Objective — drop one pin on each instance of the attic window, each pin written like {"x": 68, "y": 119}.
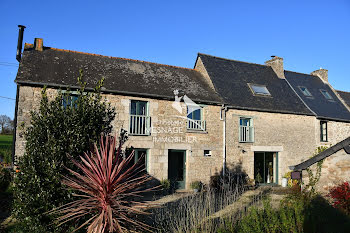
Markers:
{"x": 305, "y": 91}
{"x": 326, "y": 94}
{"x": 259, "y": 89}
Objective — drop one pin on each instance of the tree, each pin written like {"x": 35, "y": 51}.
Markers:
{"x": 5, "y": 122}
{"x": 56, "y": 131}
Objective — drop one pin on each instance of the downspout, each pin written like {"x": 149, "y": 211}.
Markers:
{"x": 223, "y": 118}
{"x": 15, "y": 128}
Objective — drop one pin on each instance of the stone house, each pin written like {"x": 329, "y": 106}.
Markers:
{"x": 191, "y": 123}
{"x": 335, "y": 168}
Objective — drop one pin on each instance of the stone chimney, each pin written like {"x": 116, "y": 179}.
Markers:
{"x": 322, "y": 74}
{"x": 38, "y": 44}
{"x": 276, "y": 64}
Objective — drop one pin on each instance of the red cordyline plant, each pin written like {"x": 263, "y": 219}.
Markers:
{"x": 341, "y": 197}
{"x": 105, "y": 185}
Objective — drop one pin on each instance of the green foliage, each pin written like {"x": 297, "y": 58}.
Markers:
{"x": 165, "y": 184}
{"x": 56, "y": 135}
{"x": 5, "y": 178}
{"x": 6, "y": 148}
{"x": 196, "y": 185}
{"x": 258, "y": 178}
{"x": 285, "y": 219}
{"x": 314, "y": 178}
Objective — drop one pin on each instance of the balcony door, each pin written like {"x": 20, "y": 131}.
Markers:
{"x": 140, "y": 121}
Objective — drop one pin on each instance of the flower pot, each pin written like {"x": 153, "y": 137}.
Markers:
{"x": 284, "y": 182}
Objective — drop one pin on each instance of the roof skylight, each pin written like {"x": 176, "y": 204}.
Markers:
{"x": 259, "y": 89}
{"x": 326, "y": 94}
{"x": 305, "y": 91}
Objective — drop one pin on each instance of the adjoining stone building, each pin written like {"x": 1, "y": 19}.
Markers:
{"x": 191, "y": 123}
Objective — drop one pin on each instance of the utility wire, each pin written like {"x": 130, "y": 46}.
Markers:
{"x": 7, "y": 98}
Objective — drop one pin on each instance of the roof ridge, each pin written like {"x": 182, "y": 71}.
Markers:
{"x": 121, "y": 58}
{"x": 301, "y": 73}
{"x": 343, "y": 91}
{"x": 227, "y": 59}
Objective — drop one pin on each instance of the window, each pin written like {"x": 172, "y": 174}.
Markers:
{"x": 195, "y": 118}
{"x": 305, "y": 91}
{"x": 246, "y": 130}
{"x": 69, "y": 100}
{"x": 259, "y": 89}
{"x": 140, "y": 122}
{"x": 140, "y": 156}
{"x": 326, "y": 94}
{"x": 323, "y": 131}
{"x": 207, "y": 153}
{"x": 139, "y": 108}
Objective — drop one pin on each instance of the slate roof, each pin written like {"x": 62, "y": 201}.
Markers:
{"x": 60, "y": 68}
{"x": 231, "y": 78}
{"x": 345, "y": 96}
{"x": 345, "y": 144}
{"x": 327, "y": 109}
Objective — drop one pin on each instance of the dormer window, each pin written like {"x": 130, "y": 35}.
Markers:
{"x": 259, "y": 89}
{"x": 305, "y": 91}
{"x": 326, "y": 94}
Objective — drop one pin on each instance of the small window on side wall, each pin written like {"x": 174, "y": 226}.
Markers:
{"x": 323, "y": 131}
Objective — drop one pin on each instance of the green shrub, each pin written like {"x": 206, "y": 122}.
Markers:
{"x": 165, "y": 184}
{"x": 196, "y": 185}
{"x": 5, "y": 178}
{"x": 54, "y": 132}
{"x": 288, "y": 218}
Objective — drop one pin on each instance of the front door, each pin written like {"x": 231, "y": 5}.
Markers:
{"x": 177, "y": 168}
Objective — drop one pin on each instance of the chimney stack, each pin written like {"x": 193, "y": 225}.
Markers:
{"x": 38, "y": 44}
{"x": 20, "y": 42}
{"x": 322, "y": 74}
{"x": 276, "y": 64}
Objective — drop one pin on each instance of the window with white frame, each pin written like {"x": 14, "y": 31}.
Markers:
{"x": 140, "y": 121}
{"x": 195, "y": 119}
{"x": 323, "y": 131}
{"x": 246, "y": 129}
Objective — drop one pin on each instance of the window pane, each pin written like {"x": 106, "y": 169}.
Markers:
{"x": 138, "y": 107}
{"x": 326, "y": 94}
{"x": 245, "y": 122}
{"x": 194, "y": 112}
{"x": 262, "y": 90}
{"x": 305, "y": 91}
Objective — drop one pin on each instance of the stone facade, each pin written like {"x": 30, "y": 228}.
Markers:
{"x": 335, "y": 170}
{"x": 293, "y": 138}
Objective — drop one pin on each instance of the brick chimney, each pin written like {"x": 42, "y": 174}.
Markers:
{"x": 322, "y": 74}
{"x": 276, "y": 64}
{"x": 38, "y": 44}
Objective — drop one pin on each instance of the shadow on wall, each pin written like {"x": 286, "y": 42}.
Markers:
{"x": 234, "y": 175}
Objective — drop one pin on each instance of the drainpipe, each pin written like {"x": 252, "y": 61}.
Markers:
{"x": 223, "y": 118}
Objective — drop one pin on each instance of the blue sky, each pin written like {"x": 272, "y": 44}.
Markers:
{"x": 307, "y": 34}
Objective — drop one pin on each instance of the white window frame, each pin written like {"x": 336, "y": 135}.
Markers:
{"x": 246, "y": 133}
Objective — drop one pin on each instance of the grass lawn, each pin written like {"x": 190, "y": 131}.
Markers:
{"x": 5, "y": 147}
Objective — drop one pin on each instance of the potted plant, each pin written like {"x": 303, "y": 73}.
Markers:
{"x": 196, "y": 186}
{"x": 285, "y": 179}
{"x": 258, "y": 178}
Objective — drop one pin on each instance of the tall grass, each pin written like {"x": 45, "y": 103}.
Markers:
{"x": 196, "y": 213}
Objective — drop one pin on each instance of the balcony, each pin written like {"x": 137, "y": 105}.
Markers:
{"x": 140, "y": 125}
{"x": 196, "y": 125}
{"x": 246, "y": 133}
